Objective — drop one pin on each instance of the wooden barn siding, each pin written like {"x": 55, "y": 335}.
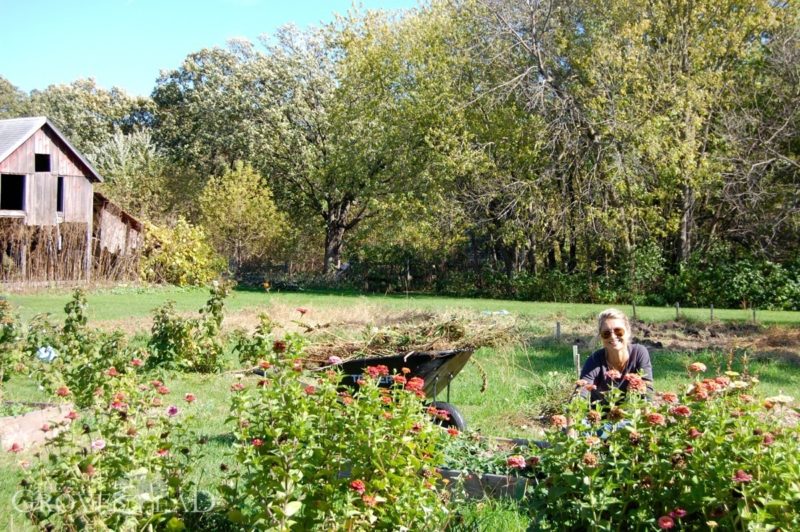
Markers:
{"x": 41, "y": 188}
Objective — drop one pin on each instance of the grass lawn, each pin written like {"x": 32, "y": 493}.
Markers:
{"x": 524, "y": 381}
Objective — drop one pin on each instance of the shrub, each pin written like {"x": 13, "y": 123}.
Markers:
{"x": 80, "y": 357}
{"x": 310, "y": 455}
{"x": 191, "y": 344}
{"x": 124, "y": 463}
{"x": 713, "y": 456}
{"x": 11, "y": 344}
{"x": 180, "y": 255}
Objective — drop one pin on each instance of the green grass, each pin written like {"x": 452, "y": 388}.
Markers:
{"x": 129, "y": 302}
{"x": 524, "y": 380}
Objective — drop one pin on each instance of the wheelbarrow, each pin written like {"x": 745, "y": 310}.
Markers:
{"x": 436, "y": 368}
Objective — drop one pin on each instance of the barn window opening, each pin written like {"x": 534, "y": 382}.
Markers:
{"x": 12, "y": 192}
{"x": 42, "y": 162}
{"x": 60, "y": 195}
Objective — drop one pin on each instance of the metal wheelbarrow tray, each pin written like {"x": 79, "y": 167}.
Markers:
{"x": 436, "y": 368}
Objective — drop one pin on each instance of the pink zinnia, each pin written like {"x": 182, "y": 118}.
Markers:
{"x": 613, "y": 374}
{"x": 415, "y": 384}
{"x": 333, "y": 360}
{"x": 694, "y": 433}
{"x": 558, "y": 421}
{"x": 162, "y": 452}
{"x": 99, "y": 445}
{"x": 136, "y": 362}
{"x": 237, "y": 387}
{"x": 697, "y": 367}
{"x": 516, "y": 462}
{"x": 681, "y": 411}
{"x": 72, "y": 415}
{"x": 741, "y": 476}
{"x": 163, "y": 390}
{"x": 257, "y": 442}
{"x": 665, "y": 522}
{"x": 112, "y": 372}
{"x": 15, "y": 448}
{"x": 669, "y": 397}
{"x": 63, "y": 391}
{"x": 358, "y": 486}
{"x": 678, "y": 513}
{"x": 769, "y": 439}
{"x": 310, "y": 390}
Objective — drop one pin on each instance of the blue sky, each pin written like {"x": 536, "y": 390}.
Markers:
{"x": 126, "y": 43}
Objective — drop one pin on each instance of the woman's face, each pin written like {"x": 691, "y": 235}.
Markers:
{"x": 613, "y": 333}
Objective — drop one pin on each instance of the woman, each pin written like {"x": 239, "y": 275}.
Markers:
{"x": 619, "y": 364}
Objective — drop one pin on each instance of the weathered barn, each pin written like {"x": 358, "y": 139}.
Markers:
{"x": 47, "y": 206}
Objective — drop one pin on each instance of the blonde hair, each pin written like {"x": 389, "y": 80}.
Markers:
{"x": 614, "y": 314}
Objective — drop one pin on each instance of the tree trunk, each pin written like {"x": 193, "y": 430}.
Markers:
{"x": 334, "y": 242}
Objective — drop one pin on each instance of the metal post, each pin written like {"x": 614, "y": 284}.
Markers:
{"x": 634, "y": 311}
{"x": 677, "y": 310}
{"x": 576, "y": 358}
{"x": 712, "y": 311}
{"x": 558, "y": 330}
{"x": 754, "y": 314}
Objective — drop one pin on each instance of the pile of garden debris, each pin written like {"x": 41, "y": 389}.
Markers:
{"x": 437, "y": 333}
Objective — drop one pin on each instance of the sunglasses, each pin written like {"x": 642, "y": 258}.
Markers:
{"x": 605, "y": 335}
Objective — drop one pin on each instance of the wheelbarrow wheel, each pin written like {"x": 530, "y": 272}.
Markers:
{"x": 455, "y": 419}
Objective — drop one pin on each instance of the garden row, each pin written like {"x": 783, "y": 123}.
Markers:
{"x": 303, "y": 453}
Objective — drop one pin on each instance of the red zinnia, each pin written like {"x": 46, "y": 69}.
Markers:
{"x": 112, "y": 372}
{"x": 72, "y": 415}
{"x": 358, "y": 486}
{"x": 452, "y": 432}
{"x": 694, "y": 433}
{"x": 302, "y": 310}
{"x": 136, "y": 362}
{"x": 163, "y": 390}
{"x": 15, "y": 448}
{"x": 257, "y": 442}
{"x": 310, "y": 390}
{"x": 399, "y": 379}
{"x": 63, "y": 391}
{"x": 415, "y": 384}
{"x": 190, "y": 398}
{"x": 665, "y": 522}
{"x": 669, "y": 397}
{"x": 678, "y": 513}
{"x": 264, "y": 364}
{"x": 656, "y": 419}
{"x": 279, "y": 346}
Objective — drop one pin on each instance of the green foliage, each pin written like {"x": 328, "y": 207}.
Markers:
{"x": 311, "y": 456}
{"x": 11, "y": 344}
{"x": 125, "y": 462}
{"x": 190, "y": 344}
{"x": 83, "y": 357}
{"x": 180, "y": 255}
{"x": 241, "y": 219}
{"x": 712, "y": 456}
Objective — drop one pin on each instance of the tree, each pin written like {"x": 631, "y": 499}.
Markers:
{"x": 13, "y": 102}
{"x": 241, "y": 219}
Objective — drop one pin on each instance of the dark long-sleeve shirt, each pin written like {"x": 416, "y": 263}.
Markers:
{"x": 596, "y": 367}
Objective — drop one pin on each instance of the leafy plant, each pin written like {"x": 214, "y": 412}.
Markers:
{"x": 180, "y": 255}
{"x": 11, "y": 344}
{"x": 192, "y": 344}
{"x": 712, "y": 456}
{"x": 311, "y": 455}
{"x": 123, "y": 463}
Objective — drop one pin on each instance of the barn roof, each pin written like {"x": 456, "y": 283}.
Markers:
{"x": 15, "y": 131}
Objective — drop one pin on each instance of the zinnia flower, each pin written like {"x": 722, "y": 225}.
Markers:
{"x": 669, "y": 397}
{"x": 237, "y": 387}
{"x": 264, "y": 364}
{"x": 678, "y": 513}
{"x": 697, "y": 367}
{"x": 741, "y": 476}
{"x": 613, "y": 374}
{"x": 592, "y": 440}
{"x": 136, "y": 362}
{"x": 310, "y": 390}
{"x": 333, "y": 359}
{"x": 302, "y": 310}
{"x": 656, "y": 419}
{"x": 594, "y": 417}
{"x": 172, "y": 411}
{"x": 15, "y": 448}
{"x": 590, "y": 459}
{"x": 163, "y": 390}
{"x": 369, "y": 500}
{"x": 516, "y": 462}
{"x": 162, "y": 452}
{"x": 98, "y": 445}
{"x": 190, "y": 398}
{"x": 415, "y": 384}
{"x": 694, "y": 433}
{"x": 72, "y": 415}
{"x": 63, "y": 391}
{"x": 665, "y": 522}
{"x": 533, "y": 461}
{"x": 558, "y": 421}
{"x": 112, "y": 372}
{"x": 769, "y": 439}
{"x": 680, "y": 411}
{"x": 358, "y": 486}
{"x": 279, "y": 346}
{"x": 257, "y": 442}
{"x": 452, "y": 432}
